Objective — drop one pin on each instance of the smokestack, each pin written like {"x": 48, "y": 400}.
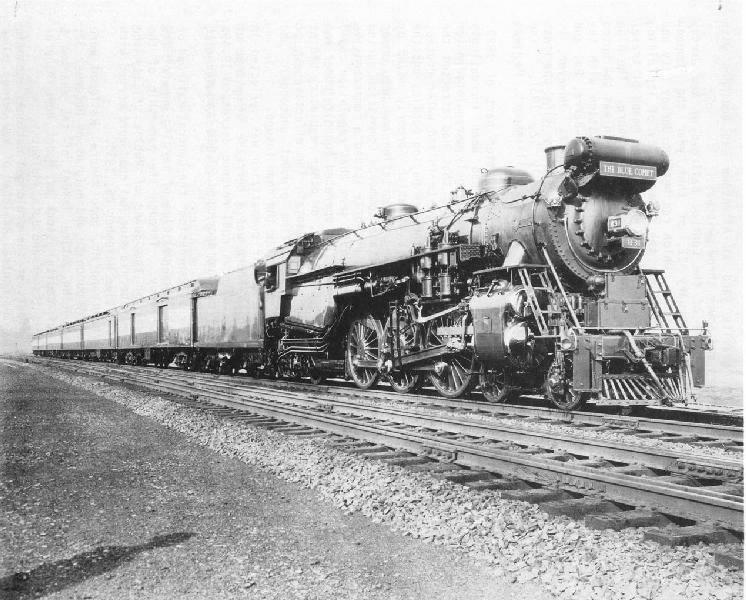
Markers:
{"x": 555, "y": 156}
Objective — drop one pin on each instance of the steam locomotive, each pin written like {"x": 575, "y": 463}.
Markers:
{"x": 521, "y": 287}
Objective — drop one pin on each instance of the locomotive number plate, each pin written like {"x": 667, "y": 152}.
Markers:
{"x": 633, "y": 243}
{"x": 614, "y": 169}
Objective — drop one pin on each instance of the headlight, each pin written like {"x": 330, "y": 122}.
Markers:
{"x": 634, "y": 222}
{"x": 515, "y": 339}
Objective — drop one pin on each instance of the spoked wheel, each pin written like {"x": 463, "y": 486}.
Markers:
{"x": 456, "y": 377}
{"x": 559, "y": 391}
{"x": 567, "y": 400}
{"x": 494, "y": 385}
{"x": 404, "y": 331}
{"x": 364, "y": 344}
{"x": 454, "y": 374}
{"x": 405, "y": 381}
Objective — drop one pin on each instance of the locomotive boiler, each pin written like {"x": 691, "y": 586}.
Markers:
{"x": 522, "y": 286}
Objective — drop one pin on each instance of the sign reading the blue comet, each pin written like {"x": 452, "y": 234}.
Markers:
{"x": 615, "y": 169}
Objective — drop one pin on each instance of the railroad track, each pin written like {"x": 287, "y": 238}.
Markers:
{"x": 614, "y": 484}
{"x": 725, "y": 421}
{"x": 699, "y": 427}
{"x": 697, "y": 433}
{"x": 535, "y": 406}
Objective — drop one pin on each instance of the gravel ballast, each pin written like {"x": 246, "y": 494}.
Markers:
{"x": 517, "y": 539}
{"x": 98, "y": 502}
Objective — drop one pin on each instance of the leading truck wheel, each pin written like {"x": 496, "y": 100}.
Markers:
{"x": 558, "y": 388}
{"x": 494, "y": 385}
{"x": 563, "y": 396}
{"x": 364, "y": 344}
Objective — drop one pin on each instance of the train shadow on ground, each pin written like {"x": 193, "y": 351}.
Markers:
{"x": 48, "y": 578}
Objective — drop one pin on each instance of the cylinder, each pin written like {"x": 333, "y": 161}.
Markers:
{"x": 555, "y": 156}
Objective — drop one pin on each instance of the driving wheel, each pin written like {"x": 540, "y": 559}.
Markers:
{"x": 454, "y": 373}
{"x": 364, "y": 344}
{"x": 403, "y": 335}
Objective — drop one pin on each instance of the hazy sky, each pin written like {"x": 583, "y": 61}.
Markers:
{"x": 145, "y": 143}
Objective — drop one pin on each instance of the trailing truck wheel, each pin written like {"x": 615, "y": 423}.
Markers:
{"x": 494, "y": 385}
{"x": 364, "y": 340}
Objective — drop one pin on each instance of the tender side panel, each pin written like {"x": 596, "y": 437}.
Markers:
{"x": 232, "y": 317}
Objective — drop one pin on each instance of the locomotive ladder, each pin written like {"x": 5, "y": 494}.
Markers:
{"x": 536, "y": 279}
{"x": 528, "y": 280}
{"x": 657, "y": 288}
{"x": 662, "y": 303}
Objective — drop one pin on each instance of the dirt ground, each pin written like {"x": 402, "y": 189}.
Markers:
{"x": 96, "y": 502}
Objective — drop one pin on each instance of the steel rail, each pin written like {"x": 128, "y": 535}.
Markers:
{"x": 642, "y": 424}
{"x": 674, "y": 462}
{"x": 648, "y": 424}
{"x": 714, "y": 432}
{"x": 710, "y": 431}
{"x": 658, "y": 458}
{"x": 699, "y": 504}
